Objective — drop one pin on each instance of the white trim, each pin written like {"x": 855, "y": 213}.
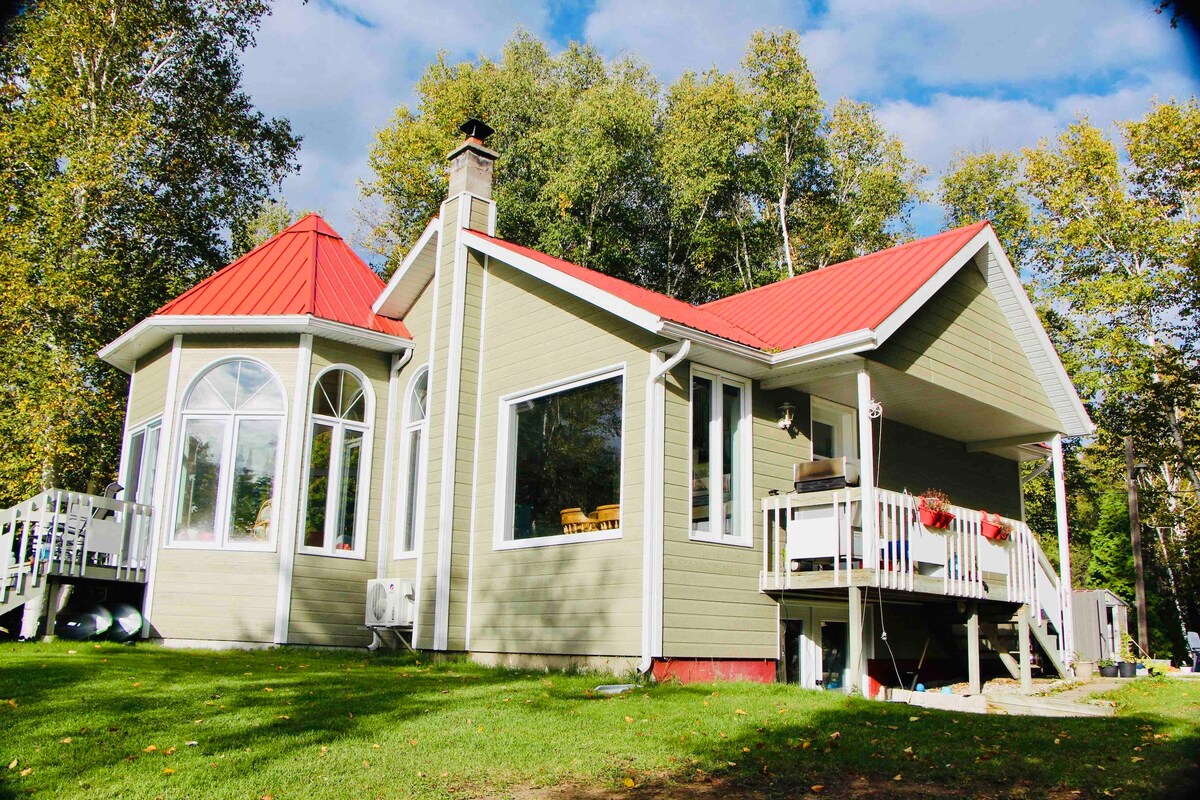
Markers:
{"x": 382, "y": 549}
{"x": 654, "y": 447}
{"x": 383, "y": 304}
{"x": 224, "y": 509}
{"x": 162, "y": 492}
{"x": 458, "y": 301}
{"x": 1067, "y": 645}
{"x": 716, "y": 511}
{"x": 399, "y": 551}
{"x": 362, "y": 496}
{"x": 866, "y": 478}
{"x": 290, "y": 505}
{"x": 581, "y": 289}
{"x": 478, "y": 424}
{"x": 506, "y": 444}
{"x": 124, "y": 351}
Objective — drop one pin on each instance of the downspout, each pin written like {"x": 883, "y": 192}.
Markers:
{"x": 399, "y": 361}
{"x": 652, "y": 508}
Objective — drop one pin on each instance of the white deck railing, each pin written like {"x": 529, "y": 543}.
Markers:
{"x": 73, "y": 534}
{"x": 825, "y": 529}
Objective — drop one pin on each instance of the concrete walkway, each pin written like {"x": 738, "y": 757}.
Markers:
{"x": 1080, "y": 693}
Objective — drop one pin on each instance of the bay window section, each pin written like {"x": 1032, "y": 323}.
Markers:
{"x": 335, "y": 505}
{"x": 720, "y": 466}
{"x": 416, "y": 424}
{"x": 232, "y": 421}
{"x": 564, "y": 462}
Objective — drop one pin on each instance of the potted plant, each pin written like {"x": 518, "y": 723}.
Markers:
{"x": 933, "y": 507}
{"x": 1127, "y": 666}
{"x": 995, "y": 527}
{"x": 1084, "y": 669}
{"x": 1108, "y": 668}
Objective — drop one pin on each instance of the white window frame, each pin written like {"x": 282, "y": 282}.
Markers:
{"x": 144, "y": 428}
{"x": 224, "y": 479}
{"x": 407, "y": 430}
{"x": 362, "y": 499}
{"x": 842, "y": 419}
{"x": 506, "y": 462}
{"x": 716, "y": 454}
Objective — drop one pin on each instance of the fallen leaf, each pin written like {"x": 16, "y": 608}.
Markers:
{"x": 817, "y": 788}
{"x": 66, "y": 740}
{"x": 1136, "y": 759}
{"x": 376, "y": 746}
{"x": 629, "y": 720}
{"x": 137, "y": 684}
{"x": 169, "y": 751}
{"x": 897, "y": 777}
{"x": 70, "y": 652}
{"x": 12, "y": 764}
{"x": 268, "y": 689}
{"x": 366, "y": 763}
{"x": 914, "y": 719}
{"x": 835, "y": 735}
{"x": 168, "y": 771}
{"x": 26, "y": 772}
{"x": 150, "y": 749}
{"x": 908, "y": 751}
{"x": 629, "y": 783}
{"x": 740, "y": 712}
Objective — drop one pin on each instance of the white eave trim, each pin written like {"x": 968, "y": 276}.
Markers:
{"x": 581, "y": 289}
{"x": 391, "y": 301}
{"x": 124, "y": 351}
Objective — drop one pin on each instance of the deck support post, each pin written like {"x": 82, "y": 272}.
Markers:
{"x": 1023, "y": 643}
{"x": 1067, "y": 634}
{"x": 31, "y": 614}
{"x": 866, "y": 478}
{"x": 854, "y": 642}
{"x": 976, "y": 686}
{"x": 57, "y": 595}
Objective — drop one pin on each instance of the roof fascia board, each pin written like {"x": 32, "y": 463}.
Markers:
{"x": 843, "y": 345}
{"x": 124, "y": 351}
{"x": 560, "y": 280}
{"x": 931, "y": 287}
{"x": 1009, "y": 441}
{"x": 384, "y": 304}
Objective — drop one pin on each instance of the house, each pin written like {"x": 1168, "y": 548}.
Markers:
{"x": 574, "y": 470}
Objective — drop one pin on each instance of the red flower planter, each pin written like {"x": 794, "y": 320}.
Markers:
{"x": 991, "y": 528}
{"x": 933, "y": 519}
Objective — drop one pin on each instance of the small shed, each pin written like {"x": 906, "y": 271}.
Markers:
{"x": 1100, "y": 620}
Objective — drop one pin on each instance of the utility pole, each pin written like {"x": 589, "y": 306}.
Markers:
{"x": 1135, "y": 536}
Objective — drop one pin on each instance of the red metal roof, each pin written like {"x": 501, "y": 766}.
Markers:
{"x": 307, "y": 268}
{"x": 846, "y": 297}
{"x": 658, "y": 304}
{"x": 854, "y": 295}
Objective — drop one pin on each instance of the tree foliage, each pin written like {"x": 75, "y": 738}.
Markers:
{"x": 127, "y": 149}
{"x": 714, "y": 184}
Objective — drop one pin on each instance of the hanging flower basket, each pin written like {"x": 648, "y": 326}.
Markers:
{"x": 933, "y": 507}
{"x": 994, "y": 527}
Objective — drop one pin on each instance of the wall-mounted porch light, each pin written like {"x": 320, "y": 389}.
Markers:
{"x": 786, "y": 415}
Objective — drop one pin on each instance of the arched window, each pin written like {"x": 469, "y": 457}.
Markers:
{"x": 416, "y": 427}
{"x": 231, "y": 425}
{"x": 338, "y": 465}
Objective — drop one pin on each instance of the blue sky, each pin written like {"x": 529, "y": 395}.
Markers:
{"x": 944, "y": 75}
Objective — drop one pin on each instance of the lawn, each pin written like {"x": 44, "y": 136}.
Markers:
{"x": 101, "y": 721}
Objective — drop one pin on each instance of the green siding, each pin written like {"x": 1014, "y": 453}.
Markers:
{"x": 329, "y": 593}
{"x": 215, "y": 594}
{"x": 960, "y": 340}
{"x": 915, "y": 460}
{"x": 577, "y": 598}
{"x": 712, "y": 607}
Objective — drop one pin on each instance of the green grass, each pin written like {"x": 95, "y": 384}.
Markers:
{"x": 309, "y": 724}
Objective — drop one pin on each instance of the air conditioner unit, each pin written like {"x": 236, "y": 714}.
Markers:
{"x": 390, "y": 602}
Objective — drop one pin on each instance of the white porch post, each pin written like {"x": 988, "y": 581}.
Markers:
{"x": 1064, "y": 549}
{"x": 866, "y": 454}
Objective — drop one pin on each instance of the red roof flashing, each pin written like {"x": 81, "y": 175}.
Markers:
{"x": 307, "y": 268}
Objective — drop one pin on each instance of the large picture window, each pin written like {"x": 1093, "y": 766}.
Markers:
{"x": 564, "y": 461}
{"x": 231, "y": 425}
{"x": 338, "y": 467}
{"x": 720, "y": 458}
{"x": 416, "y": 434}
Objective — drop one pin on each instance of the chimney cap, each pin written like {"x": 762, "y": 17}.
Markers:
{"x": 476, "y": 129}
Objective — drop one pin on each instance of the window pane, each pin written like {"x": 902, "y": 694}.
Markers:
{"x": 823, "y": 438}
{"x": 701, "y": 417}
{"x": 354, "y": 403}
{"x": 145, "y": 491}
{"x": 254, "y": 389}
{"x": 325, "y": 395}
{"x": 347, "y": 507}
{"x": 417, "y": 408}
{"x": 568, "y": 461}
{"x": 413, "y": 491}
{"x": 196, "y": 511}
{"x": 731, "y": 467}
{"x": 133, "y": 469}
{"x": 318, "y": 485}
{"x": 256, "y": 448}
